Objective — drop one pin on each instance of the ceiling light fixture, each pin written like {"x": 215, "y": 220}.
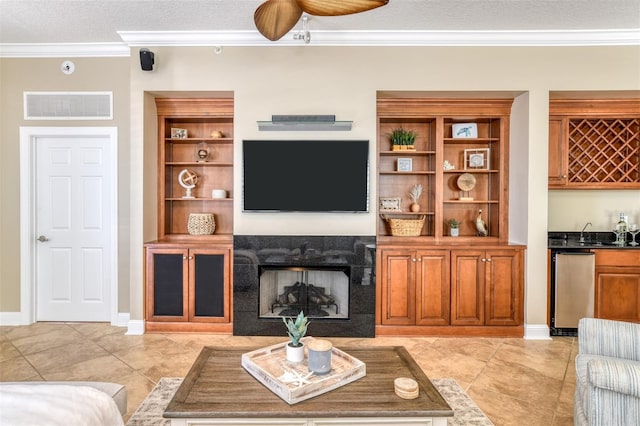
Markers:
{"x": 304, "y": 34}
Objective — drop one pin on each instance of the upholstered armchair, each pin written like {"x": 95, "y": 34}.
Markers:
{"x": 607, "y": 373}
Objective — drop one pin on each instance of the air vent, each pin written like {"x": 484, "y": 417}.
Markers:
{"x": 68, "y": 105}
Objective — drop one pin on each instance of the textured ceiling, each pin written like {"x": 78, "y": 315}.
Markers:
{"x": 98, "y": 21}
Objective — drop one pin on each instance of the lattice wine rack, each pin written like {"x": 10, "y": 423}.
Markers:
{"x": 604, "y": 150}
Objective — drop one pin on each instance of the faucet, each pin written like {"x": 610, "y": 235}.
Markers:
{"x": 582, "y": 232}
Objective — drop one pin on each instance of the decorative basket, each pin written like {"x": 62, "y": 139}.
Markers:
{"x": 201, "y": 224}
{"x": 405, "y": 227}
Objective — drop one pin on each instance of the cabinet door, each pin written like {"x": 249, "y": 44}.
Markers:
{"x": 618, "y": 293}
{"x": 432, "y": 287}
{"x": 558, "y": 160}
{"x": 209, "y": 285}
{"x": 167, "y": 277}
{"x": 398, "y": 287}
{"x": 467, "y": 287}
{"x": 502, "y": 287}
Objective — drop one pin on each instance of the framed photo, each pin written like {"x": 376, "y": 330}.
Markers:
{"x": 390, "y": 204}
{"x": 405, "y": 164}
{"x": 178, "y": 133}
{"x": 476, "y": 159}
{"x": 464, "y": 130}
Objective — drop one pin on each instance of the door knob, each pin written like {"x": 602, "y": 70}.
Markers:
{"x": 42, "y": 238}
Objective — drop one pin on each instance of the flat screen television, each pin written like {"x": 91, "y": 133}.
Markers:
{"x": 305, "y": 175}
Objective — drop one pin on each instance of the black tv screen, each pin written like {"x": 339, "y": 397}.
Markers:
{"x": 306, "y": 175}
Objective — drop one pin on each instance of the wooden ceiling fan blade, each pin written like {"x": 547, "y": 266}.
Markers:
{"x": 275, "y": 18}
{"x": 338, "y": 7}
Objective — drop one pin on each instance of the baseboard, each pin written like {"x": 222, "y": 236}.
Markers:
{"x": 12, "y": 318}
{"x": 122, "y": 320}
{"x": 135, "y": 328}
{"x": 536, "y": 332}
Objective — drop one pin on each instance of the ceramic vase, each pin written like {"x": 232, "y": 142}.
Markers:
{"x": 454, "y": 232}
{"x": 295, "y": 353}
{"x": 415, "y": 207}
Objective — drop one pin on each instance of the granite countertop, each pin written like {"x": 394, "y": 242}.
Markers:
{"x": 599, "y": 240}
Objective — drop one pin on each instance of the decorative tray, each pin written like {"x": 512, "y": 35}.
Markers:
{"x": 292, "y": 381}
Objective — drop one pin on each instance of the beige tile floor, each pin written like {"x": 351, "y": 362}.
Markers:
{"x": 514, "y": 381}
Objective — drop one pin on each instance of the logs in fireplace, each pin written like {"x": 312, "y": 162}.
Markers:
{"x": 304, "y": 297}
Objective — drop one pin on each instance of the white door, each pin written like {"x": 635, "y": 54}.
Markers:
{"x": 73, "y": 227}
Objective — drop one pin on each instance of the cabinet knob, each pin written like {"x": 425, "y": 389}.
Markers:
{"x": 488, "y": 260}
{"x": 564, "y": 176}
{"x": 190, "y": 257}
{"x": 414, "y": 259}
{"x": 184, "y": 257}
{"x": 483, "y": 259}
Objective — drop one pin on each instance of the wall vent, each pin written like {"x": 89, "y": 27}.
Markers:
{"x": 68, "y": 105}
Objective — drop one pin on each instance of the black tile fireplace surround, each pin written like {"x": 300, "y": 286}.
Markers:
{"x": 354, "y": 255}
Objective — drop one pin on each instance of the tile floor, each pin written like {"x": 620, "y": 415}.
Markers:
{"x": 514, "y": 381}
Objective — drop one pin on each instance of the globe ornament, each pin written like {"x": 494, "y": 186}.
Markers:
{"x": 188, "y": 179}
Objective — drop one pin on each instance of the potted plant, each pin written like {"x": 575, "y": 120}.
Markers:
{"x": 402, "y": 139}
{"x": 296, "y": 329}
{"x": 454, "y": 227}
{"x": 415, "y": 194}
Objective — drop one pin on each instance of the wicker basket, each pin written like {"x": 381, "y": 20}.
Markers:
{"x": 405, "y": 227}
{"x": 201, "y": 224}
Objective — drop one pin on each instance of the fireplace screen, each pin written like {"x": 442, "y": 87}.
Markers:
{"x": 320, "y": 293}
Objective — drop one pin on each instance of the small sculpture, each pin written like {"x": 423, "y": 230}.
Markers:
{"x": 188, "y": 179}
{"x": 481, "y": 226}
{"x": 447, "y": 165}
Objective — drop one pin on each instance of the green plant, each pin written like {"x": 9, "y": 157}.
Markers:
{"x": 402, "y": 137}
{"x": 296, "y": 329}
{"x": 453, "y": 223}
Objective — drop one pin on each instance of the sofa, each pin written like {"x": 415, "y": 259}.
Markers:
{"x": 607, "y": 366}
{"x": 62, "y": 403}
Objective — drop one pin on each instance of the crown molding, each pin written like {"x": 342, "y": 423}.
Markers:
{"x": 63, "y": 50}
{"x": 622, "y": 37}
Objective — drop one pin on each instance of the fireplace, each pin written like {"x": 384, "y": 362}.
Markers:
{"x": 330, "y": 279}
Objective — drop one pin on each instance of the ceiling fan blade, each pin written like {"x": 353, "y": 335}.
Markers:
{"x": 275, "y": 18}
{"x": 338, "y": 7}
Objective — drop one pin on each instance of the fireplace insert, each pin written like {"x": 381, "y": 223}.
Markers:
{"x": 330, "y": 279}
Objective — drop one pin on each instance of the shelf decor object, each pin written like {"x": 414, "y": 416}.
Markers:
{"x": 476, "y": 159}
{"x": 465, "y": 130}
{"x": 405, "y": 165}
{"x": 292, "y": 381}
{"x": 405, "y": 227}
{"x": 188, "y": 180}
{"x": 201, "y": 224}
{"x": 466, "y": 182}
{"x": 177, "y": 133}
{"x": 390, "y": 204}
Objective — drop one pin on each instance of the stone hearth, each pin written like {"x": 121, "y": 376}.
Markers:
{"x": 341, "y": 266}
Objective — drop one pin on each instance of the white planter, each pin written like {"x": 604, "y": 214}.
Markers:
{"x": 454, "y": 232}
{"x": 295, "y": 353}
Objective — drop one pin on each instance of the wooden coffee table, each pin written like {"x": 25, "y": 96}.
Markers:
{"x": 218, "y": 391}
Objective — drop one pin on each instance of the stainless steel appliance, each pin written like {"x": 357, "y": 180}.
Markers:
{"x": 573, "y": 288}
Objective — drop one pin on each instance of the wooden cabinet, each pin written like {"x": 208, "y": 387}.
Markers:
{"x": 472, "y": 137}
{"x": 594, "y": 144}
{"x": 188, "y": 274}
{"x": 415, "y": 287}
{"x": 187, "y": 285}
{"x": 430, "y": 288}
{"x": 558, "y": 154}
{"x": 617, "y": 293}
{"x": 486, "y": 287}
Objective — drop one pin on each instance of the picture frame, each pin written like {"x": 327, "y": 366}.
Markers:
{"x": 476, "y": 158}
{"x": 404, "y": 165}
{"x": 390, "y": 204}
{"x": 464, "y": 130}
{"x": 177, "y": 133}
